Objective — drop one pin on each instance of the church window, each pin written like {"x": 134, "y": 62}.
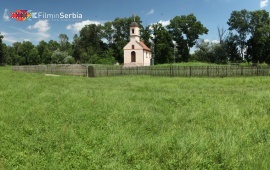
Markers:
{"x": 132, "y": 46}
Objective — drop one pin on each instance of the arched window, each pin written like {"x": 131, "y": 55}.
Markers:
{"x": 132, "y": 31}
{"x": 133, "y": 56}
{"x": 132, "y": 46}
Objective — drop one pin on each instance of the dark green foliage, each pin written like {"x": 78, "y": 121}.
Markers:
{"x": 186, "y": 31}
{"x": 3, "y": 57}
{"x": 162, "y": 44}
{"x": 253, "y": 33}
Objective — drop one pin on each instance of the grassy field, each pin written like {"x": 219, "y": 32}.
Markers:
{"x": 133, "y": 122}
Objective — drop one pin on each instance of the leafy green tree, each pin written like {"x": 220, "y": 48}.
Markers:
{"x": 162, "y": 44}
{"x": 46, "y": 56}
{"x": 108, "y": 33}
{"x": 239, "y": 22}
{"x": 90, "y": 42}
{"x": 258, "y": 43}
{"x": 15, "y": 58}
{"x": 76, "y": 48}
{"x": 231, "y": 43}
{"x": 24, "y": 51}
{"x": 42, "y": 45}
{"x": 34, "y": 57}
{"x": 53, "y": 45}
{"x": 64, "y": 43}
{"x": 204, "y": 52}
{"x": 220, "y": 53}
{"x": 3, "y": 59}
{"x": 186, "y": 30}
{"x": 61, "y": 57}
{"x": 107, "y": 57}
{"x": 146, "y": 36}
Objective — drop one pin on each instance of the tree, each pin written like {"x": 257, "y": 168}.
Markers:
{"x": 231, "y": 48}
{"x": 24, "y": 51}
{"x": 63, "y": 42}
{"x": 15, "y": 58}
{"x": 61, "y": 57}
{"x": 34, "y": 57}
{"x": 90, "y": 41}
{"x": 53, "y": 45}
{"x": 186, "y": 30}
{"x": 162, "y": 44}
{"x": 2, "y": 52}
{"x": 203, "y": 52}
{"x": 46, "y": 56}
{"x": 239, "y": 22}
{"x": 108, "y": 33}
{"x": 146, "y": 36}
{"x": 260, "y": 33}
{"x": 77, "y": 51}
{"x": 221, "y": 34}
{"x": 42, "y": 45}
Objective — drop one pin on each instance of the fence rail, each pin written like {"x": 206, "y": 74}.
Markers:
{"x": 173, "y": 71}
{"x": 60, "y": 69}
{"x": 184, "y": 71}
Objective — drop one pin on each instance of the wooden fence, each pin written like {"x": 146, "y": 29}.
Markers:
{"x": 183, "y": 71}
{"x": 172, "y": 71}
{"x": 59, "y": 69}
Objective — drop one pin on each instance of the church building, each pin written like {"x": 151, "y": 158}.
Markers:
{"x": 136, "y": 53}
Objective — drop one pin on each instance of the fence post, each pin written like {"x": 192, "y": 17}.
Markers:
{"x": 190, "y": 71}
{"x": 208, "y": 71}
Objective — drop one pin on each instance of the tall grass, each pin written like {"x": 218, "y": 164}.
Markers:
{"x": 133, "y": 122}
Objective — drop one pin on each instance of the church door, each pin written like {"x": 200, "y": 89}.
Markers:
{"x": 133, "y": 56}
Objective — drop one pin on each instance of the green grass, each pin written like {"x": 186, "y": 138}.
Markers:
{"x": 133, "y": 122}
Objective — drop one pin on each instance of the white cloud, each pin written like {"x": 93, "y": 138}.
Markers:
{"x": 5, "y": 16}
{"x": 206, "y": 40}
{"x": 38, "y": 32}
{"x": 42, "y": 27}
{"x": 215, "y": 42}
{"x": 152, "y": 11}
{"x": 264, "y": 3}
{"x": 79, "y": 25}
{"x": 164, "y": 23}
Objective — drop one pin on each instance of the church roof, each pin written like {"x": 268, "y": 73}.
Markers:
{"x": 134, "y": 24}
{"x": 144, "y": 46}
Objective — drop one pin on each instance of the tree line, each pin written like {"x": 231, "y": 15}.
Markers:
{"x": 247, "y": 39}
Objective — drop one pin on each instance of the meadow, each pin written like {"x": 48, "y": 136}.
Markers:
{"x": 133, "y": 122}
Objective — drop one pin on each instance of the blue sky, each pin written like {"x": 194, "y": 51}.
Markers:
{"x": 211, "y": 13}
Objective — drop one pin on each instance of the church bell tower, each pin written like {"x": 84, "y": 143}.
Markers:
{"x": 134, "y": 31}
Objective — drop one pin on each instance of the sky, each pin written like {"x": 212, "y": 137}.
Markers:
{"x": 211, "y": 13}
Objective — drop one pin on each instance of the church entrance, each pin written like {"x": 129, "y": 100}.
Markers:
{"x": 133, "y": 56}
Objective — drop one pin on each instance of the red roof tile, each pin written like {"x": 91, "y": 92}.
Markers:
{"x": 144, "y": 46}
